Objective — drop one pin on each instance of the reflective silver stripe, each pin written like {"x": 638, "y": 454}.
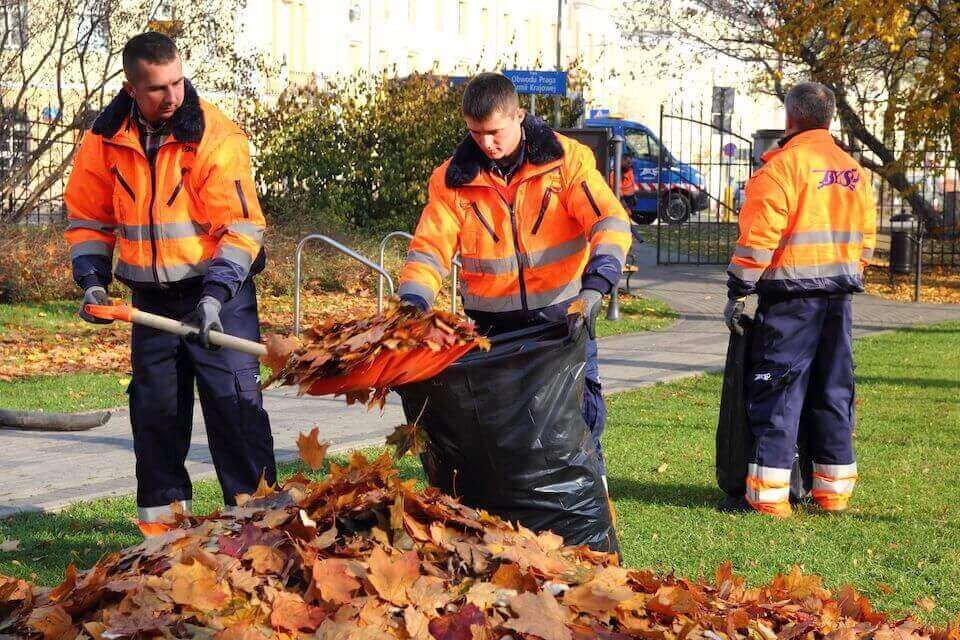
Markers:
{"x": 491, "y": 266}
{"x": 168, "y": 230}
{"x": 554, "y": 296}
{"x": 74, "y": 223}
{"x": 428, "y": 259}
{"x": 763, "y": 256}
{"x": 417, "y": 289}
{"x": 610, "y": 224}
{"x": 556, "y": 253}
{"x": 169, "y": 273}
{"x": 836, "y": 471}
{"x": 91, "y": 248}
{"x": 778, "y": 478}
{"x": 866, "y": 253}
{"x": 493, "y": 304}
{"x": 235, "y": 255}
{"x": 609, "y": 250}
{"x": 247, "y": 229}
{"x": 822, "y": 237}
{"x": 804, "y": 272}
{"x": 154, "y": 514}
{"x": 745, "y": 274}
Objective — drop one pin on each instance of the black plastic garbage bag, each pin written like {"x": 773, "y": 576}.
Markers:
{"x": 507, "y": 435}
{"x": 734, "y": 438}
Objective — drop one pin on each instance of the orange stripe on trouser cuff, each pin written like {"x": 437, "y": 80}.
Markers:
{"x": 768, "y": 490}
{"x": 833, "y": 485}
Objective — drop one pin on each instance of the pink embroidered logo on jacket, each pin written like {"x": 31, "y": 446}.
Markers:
{"x": 843, "y": 177}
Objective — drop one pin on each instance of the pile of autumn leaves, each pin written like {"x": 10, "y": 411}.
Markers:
{"x": 363, "y": 555}
{"x": 363, "y": 358}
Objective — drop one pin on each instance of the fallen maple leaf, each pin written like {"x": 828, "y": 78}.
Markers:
{"x": 927, "y": 604}
{"x": 459, "y": 625}
{"x": 54, "y": 623}
{"x": 265, "y": 559}
{"x": 337, "y": 579}
{"x": 311, "y": 451}
{"x": 292, "y": 613}
{"x": 279, "y": 349}
{"x": 408, "y": 439}
{"x": 392, "y": 576}
{"x": 196, "y": 586}
{"x": 539, "y": 615}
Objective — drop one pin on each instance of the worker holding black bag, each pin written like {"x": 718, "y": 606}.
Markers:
{"x": 536, "y": 225}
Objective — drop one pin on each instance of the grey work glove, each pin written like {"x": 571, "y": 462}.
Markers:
{"x": 97, "y": 296}
{"x": 592, "y": 300}
{"x": 732, "y": 313}
{"x": 207, "y": 318}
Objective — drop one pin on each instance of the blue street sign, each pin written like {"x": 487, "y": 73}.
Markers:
{"x": 540, "y": 82}
{"x": 729, "y": 149}
{"x": 598, "y": 113}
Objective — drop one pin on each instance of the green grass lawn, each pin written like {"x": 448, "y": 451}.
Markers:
{"x": 707, "y": 242}
{"x": 636, "y": 314}
{"x": 899, "y": 543}
{"x": 50, "y": 316}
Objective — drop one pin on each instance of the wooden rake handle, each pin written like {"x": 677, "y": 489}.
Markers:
{"x": 119, "y": 311}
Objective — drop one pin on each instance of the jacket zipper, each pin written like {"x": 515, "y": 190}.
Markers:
{"x": 516, "y": 249}
{"x": 483, "y": 221}
{"x": 123, "y": 183}
{"x": 153, "y": 233}
{"x": 243, "y": 199}
{"x": 543, "y": 210}
{"x": 593, "y": 203}
{"x": 176, "y": 191}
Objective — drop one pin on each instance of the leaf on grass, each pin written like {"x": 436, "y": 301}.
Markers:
{"x": 311, "y": 451}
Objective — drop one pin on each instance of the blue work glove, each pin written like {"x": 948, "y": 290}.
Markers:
{"x": 415, "y": 301}
{"x": 207, "y": 319}
{"x": 94, "y": 295}
{"x": 592, "y": 301}
{"x": 732, "y": 313}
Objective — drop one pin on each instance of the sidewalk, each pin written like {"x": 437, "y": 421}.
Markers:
{"x": 49, "y": 470}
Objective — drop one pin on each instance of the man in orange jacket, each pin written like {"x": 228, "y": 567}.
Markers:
{"x": 807, "y": 230}
{"x": 534, "y": 221}
{"x": 164, "y": 179}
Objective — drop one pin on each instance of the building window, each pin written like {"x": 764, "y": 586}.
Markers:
{"x": 93, "y": 26}
{"x": 14, "y": 15}
{"x": 354, "y": 14}
{"x": 14, "y": 141}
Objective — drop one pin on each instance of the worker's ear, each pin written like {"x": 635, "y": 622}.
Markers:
{"x": 128, "y": 87}
{"x": 521, "y": 113}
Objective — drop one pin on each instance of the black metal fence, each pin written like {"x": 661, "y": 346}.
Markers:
{"x": 720, "y": 154}
{"x": 707, "y": 161}
{"x": 36, "y": 135}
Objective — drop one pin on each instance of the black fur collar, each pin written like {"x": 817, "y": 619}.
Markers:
{"x": 542, "y": 148}
{"x": 186, "y": 125}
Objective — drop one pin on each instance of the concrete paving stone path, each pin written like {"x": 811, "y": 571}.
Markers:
{"x": 46, "y": 471}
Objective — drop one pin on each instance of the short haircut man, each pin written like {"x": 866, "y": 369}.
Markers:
{"x": 810, "y": 105}
{"x": 152, "y": 47}
{"x": 487, "y": 93}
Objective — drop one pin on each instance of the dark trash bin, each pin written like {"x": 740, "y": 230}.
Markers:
{"x": 902, "y": 256}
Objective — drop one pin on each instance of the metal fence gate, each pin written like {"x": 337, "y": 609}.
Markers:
{"x": 703, "y": 168}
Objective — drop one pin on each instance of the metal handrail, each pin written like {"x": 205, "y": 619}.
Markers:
{"x": 453, "y": 280}
{"x": 342, "y": 249}
{"x": 383, "y": 249}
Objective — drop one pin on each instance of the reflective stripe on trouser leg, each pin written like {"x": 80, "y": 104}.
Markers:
{"x": 156, "y": 514}
{"x": 833, "y": 485}
{"x": 768, "y": 490}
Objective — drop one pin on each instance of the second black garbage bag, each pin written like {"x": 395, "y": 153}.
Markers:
{"x": 507, "y": 435}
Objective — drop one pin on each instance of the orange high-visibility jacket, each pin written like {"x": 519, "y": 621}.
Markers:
{"x": 523, "y": 245}
{"x": 193, "y": 217}
{"x": 808, "y": 224}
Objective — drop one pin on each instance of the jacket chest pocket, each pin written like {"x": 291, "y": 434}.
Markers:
{"x": 478, "y": 228}
{"x": 124, "y": 197}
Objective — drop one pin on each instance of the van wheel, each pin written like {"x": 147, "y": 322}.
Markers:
{"x": 676, "y": 208}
